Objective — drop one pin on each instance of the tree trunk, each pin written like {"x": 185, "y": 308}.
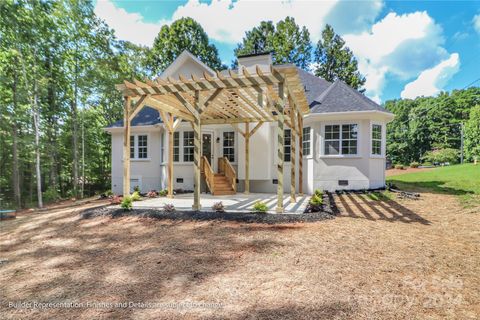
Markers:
{"x": 16, "y": 174}
{"x": 75, "y": 130}
{"x": 36, "y": 124}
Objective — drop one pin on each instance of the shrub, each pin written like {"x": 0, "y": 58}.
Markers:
{"x": 163, "y": 193}
{"x": 136, "y": 189}
{"x": 108, "y": 193}
{"x": 169, "y": 208}
{"x": 427, "y": 164}
{"x": 399, "y": 166}
{"x": 136, "y": 196}
{"x": 318, "y": 192}
{"x": 260, "y": 207}
{"x": 127, "y": 203}
{"x": 414, "y": 164}
{"x": 315, "y": 203}
{"x": 218, "y": 207}
{"x": 152, "y": 194}
{"x": 51, "y": 195}
{"x": 115, "y": 200}
{"x": 441, "y": 156}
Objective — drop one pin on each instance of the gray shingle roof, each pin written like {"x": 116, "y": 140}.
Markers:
{"x": 340, "y": 97}
{"x": 322, "y": 97}
{"x": 146, "y": 117}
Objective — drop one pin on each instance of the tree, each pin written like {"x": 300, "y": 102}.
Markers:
{"x": 287, "y": 41}
{"x": 182, "y": 34}
{"x": 472, "y": 134}
{"x": 336, "y": 61}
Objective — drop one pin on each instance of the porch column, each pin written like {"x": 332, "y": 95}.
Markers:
{"x": 280, "y": 104}
{"x": 197, "y": 152}
{"x": 170, "y": 157}
{"x": 292, "y": 152}
{"x": 126, "y": 147}
{"x": 300, "y": 153}
{"x": 247, "y": 158}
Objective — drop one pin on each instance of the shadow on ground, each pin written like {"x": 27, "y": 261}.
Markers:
{"x": 356, "y": 205}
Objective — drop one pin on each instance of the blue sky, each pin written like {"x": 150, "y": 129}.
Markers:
{"x": 404, "y": 48}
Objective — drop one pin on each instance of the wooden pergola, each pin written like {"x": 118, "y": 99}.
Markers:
{"x": 276, "y": 95}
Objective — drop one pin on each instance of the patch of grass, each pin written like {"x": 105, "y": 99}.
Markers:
{"x": 380, "y": 196}
{"x": 460, "y": 180}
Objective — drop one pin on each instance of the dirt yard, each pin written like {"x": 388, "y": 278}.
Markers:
{"x": 396, "y": 172}
{"x": 379, "y": 260}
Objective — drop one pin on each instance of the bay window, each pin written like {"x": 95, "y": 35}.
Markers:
{"x": 341, "y": 139}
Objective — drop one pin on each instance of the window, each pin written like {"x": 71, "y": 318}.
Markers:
{"x": 287, "y": 136}
{"x": 341, "y": 143}
{"x": 132, "y": 147}
{"x": 162, "y": 147}
{"x": 306, "y": 141}
{"x": 176, "y": 146}
{"x": 139, "y": 147}
{"x": 377, "y": 139}
{"x": 229, "y": 146}
{"x": 188, "y": 146}
{"x": 349, "y": 138}
{"x": 142, "y": 147}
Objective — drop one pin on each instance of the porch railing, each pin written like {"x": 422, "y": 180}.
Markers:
{"x": 206, "y": 169}
{"x": 226, "y": 168}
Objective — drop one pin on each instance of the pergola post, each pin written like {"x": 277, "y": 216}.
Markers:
{"x": 126, "y": 147}
{"x": 170, "y": 156}
{"x": 280, "y": 105}
{"x": 300, "y": 154}
{"x": 197, "y": 152}
{"x": 292, "y": 152}
{"x": 247, "y": 158}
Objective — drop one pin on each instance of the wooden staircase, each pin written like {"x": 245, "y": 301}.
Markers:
{"x": 222, "y": 183}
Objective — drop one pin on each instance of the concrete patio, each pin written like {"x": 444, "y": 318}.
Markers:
{"x": 239, "y": 202}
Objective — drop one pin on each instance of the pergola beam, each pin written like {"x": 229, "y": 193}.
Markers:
{"x": 126, "y": 147}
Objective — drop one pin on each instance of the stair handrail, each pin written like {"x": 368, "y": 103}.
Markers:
{"x": 207, "y": 170}
{"x": 227, "y": 169}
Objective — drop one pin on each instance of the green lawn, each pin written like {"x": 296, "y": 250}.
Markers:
{"x": 461, "y": 180}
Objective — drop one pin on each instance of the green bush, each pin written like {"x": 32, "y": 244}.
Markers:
{"x": 316, "y": 200}
{"x": 136, "y": 196}
{"x": 51, "y": 195}
{"x": 441, "y": 156}
{"x": 260, "y": 207}
{"x": 318, "y": 192}
{"x": 163, "y": 193}
{"x": 127, "y": 203}
{"x": 427, "y": 164}
{"x": 399, "y": 166}
{"x": 414, "y": 164}
{"x": 109, "y": 193}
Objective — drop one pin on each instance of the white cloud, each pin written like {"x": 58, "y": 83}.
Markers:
{"x": 431, "y": 81}
{"x": 227, "y": 21}
{"x": 400, "y": 45}
{"x": 127, "y": 26}
{"x": 476, "y": 22}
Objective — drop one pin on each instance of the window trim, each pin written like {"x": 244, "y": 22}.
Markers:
{"x": 135, "y": 151}
{"x": 183, "y": 147}
{"x": 340, "y": 155}
{"x": 234, "y": 147}
{"x": 285, "y": 145}
{"x": 310, "y": 144}
{"x": 382, "y": 140}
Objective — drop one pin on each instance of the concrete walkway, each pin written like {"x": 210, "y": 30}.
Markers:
{"x": 238, "y": 202}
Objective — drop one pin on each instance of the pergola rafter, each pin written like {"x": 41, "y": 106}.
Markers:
{"x": 274, "y": 95}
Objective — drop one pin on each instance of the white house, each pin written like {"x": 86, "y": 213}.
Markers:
{"x": 343, "y": 140}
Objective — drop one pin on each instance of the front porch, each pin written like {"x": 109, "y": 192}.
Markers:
{"x": 239, "y": 202}
{"x": 251, "y": 97}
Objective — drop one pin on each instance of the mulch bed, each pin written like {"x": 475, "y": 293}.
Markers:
{"x": 329, "y": 211}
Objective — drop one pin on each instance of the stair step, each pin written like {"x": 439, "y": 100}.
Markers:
{"x": 223, "y": 193}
